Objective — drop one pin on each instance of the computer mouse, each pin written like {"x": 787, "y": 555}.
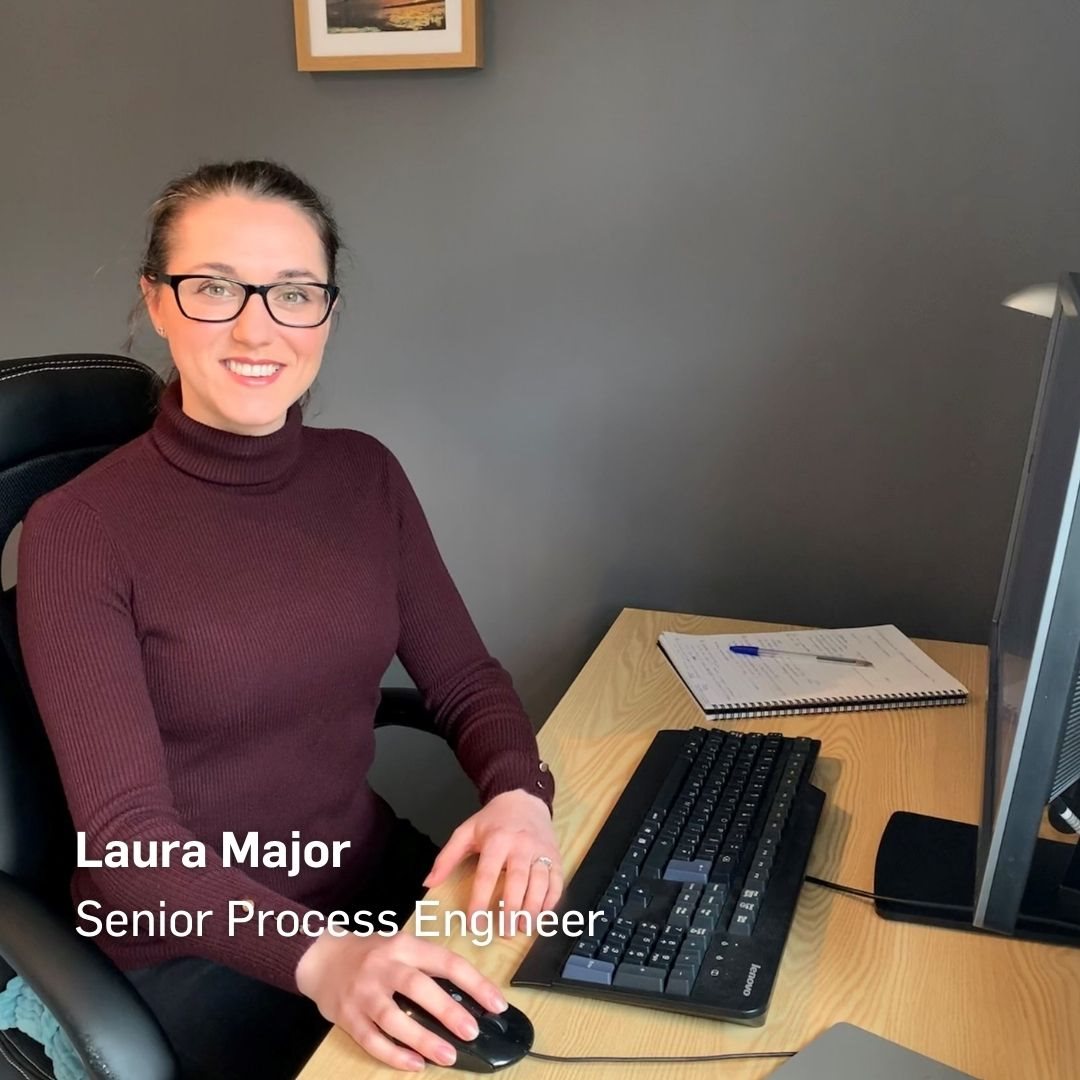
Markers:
{"x": 504, "y": 1038}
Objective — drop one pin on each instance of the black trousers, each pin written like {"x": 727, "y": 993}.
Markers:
{"x": 228, "y": 1026}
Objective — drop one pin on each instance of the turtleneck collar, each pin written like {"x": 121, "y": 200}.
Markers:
{"x": 224, "y": 457}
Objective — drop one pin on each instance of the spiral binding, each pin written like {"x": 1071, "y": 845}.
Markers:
{"x": 862, "y": 703}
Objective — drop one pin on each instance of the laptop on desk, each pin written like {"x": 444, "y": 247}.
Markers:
{"x": 847, "y": 1052}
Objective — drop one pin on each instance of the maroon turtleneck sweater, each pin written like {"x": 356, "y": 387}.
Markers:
{"x": 205, "y": 618}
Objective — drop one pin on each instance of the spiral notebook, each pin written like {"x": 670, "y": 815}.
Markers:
{"x": 729, "y": 686}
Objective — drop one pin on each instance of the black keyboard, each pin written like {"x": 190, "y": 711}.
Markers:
{"x": 696, "y": 874}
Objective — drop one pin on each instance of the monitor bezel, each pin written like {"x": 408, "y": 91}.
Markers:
{"x": 1010, "y": 826}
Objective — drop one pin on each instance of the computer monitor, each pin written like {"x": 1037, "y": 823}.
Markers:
{"x": 1001, "y": 876}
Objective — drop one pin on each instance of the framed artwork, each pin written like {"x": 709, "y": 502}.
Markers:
{"x": 373, "y": 35}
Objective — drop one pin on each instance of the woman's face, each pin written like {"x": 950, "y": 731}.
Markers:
{"x": 256, "y": 241}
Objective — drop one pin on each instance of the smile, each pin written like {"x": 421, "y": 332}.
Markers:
{"x": 252, "y": 371}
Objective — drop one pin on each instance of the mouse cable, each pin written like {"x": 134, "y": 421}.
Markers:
{"x": 962, "y": 909}
{"x": 660, "y": 1060}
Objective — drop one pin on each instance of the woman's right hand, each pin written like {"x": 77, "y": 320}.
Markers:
{"x": 353, "y": 981}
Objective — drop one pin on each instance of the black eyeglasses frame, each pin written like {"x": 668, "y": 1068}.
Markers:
{"x": 176, "y": 280}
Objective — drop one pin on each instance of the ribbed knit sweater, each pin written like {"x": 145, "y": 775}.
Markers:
{"x": 205, "y": 618}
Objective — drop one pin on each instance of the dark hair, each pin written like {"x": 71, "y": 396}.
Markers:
{"x": 259, "y": 179}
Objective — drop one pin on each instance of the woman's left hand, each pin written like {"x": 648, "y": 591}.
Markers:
{"x": 512, "y": 832}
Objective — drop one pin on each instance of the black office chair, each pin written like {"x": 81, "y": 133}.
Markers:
{"x": 59, "y": 414}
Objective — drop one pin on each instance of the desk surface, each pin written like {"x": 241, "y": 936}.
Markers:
{"x": 994, "y": 1007}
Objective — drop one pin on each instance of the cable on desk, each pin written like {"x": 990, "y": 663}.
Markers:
{"x": 661, "y": 1060}
{"x": 963, "y": 909}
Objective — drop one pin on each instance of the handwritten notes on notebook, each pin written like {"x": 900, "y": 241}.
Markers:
{"x": 729, "y": 685}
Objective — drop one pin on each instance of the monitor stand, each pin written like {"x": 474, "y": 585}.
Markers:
{"x": 931, "y": 860}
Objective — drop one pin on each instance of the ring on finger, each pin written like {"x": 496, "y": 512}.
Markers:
{"x": 544, "y": 861}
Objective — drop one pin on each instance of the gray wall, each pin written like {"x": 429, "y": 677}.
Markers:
{"x": 687, "y": 306}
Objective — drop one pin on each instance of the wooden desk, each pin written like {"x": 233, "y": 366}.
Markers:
{"x": 994, "y": 1007}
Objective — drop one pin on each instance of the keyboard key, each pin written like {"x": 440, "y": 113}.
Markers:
{"x": 697, "y": 937}
{"x": 736, "y": 836}
{"x": 742, "y": 926}
{"x": 657, "y": 859}
{"x": 707, "y": 917}
{"x": 681, "y": 916}
{"x": 609, "y": 906}
{"x": 600, "y": 926}
{"x": 749, "y": 905}
{"x": 767, "y": 846}
{"x": 763, "y": 861}
{"x": 611, "y": 952}
{"x": 713, "y": 895}
{"x": 689, "y": 958}
{"x": 638, "y": 977}
{"x": 688, "y": 870}
{"x": 579, "y": 969}
{"x": 681, "y": 980}
{"x": 722, "y": 873}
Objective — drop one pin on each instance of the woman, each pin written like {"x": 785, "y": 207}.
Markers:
{"x": 205, "y": 616}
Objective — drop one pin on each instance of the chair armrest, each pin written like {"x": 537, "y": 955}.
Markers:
{"x": 403, "y": 707}
{"x": 110, "y": 1026}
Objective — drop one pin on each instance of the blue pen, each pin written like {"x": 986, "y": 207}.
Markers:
{"x": 760, "y": 650}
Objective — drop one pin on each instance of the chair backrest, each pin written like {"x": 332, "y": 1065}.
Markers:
{"x": 58, "y": 414}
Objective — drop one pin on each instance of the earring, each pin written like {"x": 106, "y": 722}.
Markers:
{"x": 161, "y": 330}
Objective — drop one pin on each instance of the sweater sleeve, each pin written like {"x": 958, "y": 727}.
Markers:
{"x": 468, "y": 692}
{"x": 85, "y": 668}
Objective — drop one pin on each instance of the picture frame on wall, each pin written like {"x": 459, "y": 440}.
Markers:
{"x": 378, "y": 35}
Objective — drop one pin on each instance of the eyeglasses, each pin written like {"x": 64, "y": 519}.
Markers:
{"x": 299, "y": 304}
